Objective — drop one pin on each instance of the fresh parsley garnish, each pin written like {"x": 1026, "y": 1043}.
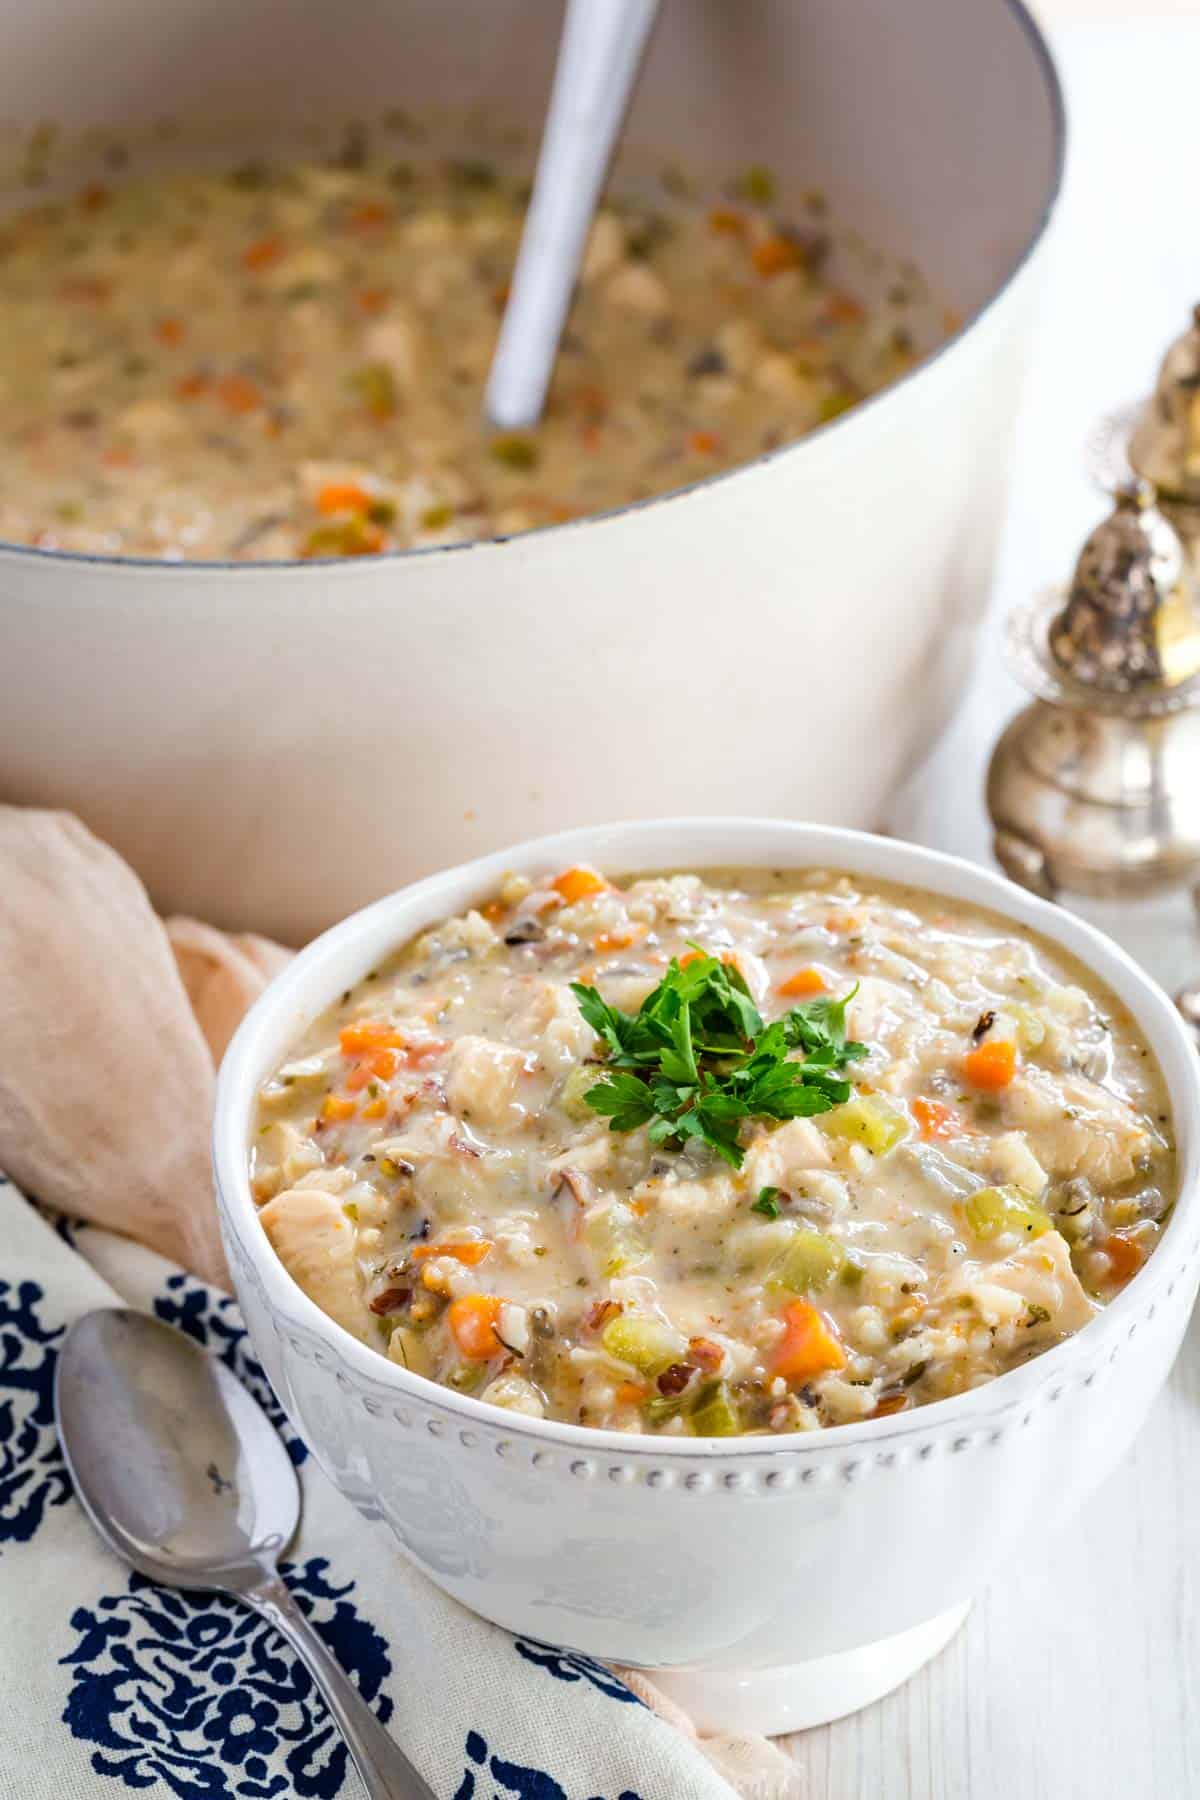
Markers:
{"x": 697, "y": 1057}
{"x": 767, "y": 1203}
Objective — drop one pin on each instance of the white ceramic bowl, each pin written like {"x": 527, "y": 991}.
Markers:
{"x": 212, "y": 722}
{"x": 784, "y": 1582}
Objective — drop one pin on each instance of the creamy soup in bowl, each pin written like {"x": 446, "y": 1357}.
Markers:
{"x": 785, "y": 1522}
{"x": 711, "y": 1153}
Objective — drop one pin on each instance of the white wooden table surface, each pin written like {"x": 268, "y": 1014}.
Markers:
{"x": 1078, "y": 1672}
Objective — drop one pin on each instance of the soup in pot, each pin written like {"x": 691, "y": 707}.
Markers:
{"x": 289, "y": 361}
{"x": 712, "y": 1155}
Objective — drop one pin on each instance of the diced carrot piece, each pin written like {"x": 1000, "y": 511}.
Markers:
{"x": 591, "y": 401}
{"x": 118, "y": 457}
{"x": 631, "y": 1393}
{"x": 580, "y": 884}
{"x": 726, "y": 222}
{"x": 369, "y": 215}
{"x": 192, "y": 386}
{"x": 375, "y": 1109}
{"x": 804, "y": 981}
{"x": 338, "y": 1106}
{"x": 238, "y": 394}
{"x": 263, "y": 254}
{"x": 809, "y": 1345}
{"x": 933, "y": 1119}
{"x": 372, "y": 300}
{"x": 619, "y": 940}
{"x": 703, "y": 443}
{"x": 776, "y": 254}
{"x": 1126, "y": 1255}
{"x": 470, "y": 1251}
{"x": 844, "y": 309}
{"x": 472, "y": 1319}
{"x": 343, "y": 496}
{"x": 369, "y": 1034}
{"x": 728, "y": 957}
{"x": 992, "y": 1064}
{"x": 170, "y": 332}
{"x": 375, "y": 1065}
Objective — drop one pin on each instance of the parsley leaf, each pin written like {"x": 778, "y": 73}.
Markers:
{"x": 624, "y": 1098}
{"x": 697, "y": 1058}
{"x": 767, "y": 1203}
{"x": 605, "y": 1020}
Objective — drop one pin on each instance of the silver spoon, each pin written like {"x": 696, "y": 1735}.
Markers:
{"x": 601, "y": 51}
{"x": 184, "y": 1476}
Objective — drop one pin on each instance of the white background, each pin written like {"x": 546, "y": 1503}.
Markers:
{"x": 1078, "y": 1673}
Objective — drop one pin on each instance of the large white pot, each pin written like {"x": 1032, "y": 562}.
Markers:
{"x": 785, "y": 638}
{"x": 795, "y": 1579}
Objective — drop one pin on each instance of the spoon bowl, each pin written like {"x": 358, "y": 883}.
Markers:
{"x": 183, "y": 1475}
{"x": 175, "y": 1464}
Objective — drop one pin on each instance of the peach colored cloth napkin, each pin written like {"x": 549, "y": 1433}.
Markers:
{"x": 112, "y": 1022}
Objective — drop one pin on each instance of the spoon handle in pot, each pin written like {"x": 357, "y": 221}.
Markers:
{"x": 386, "y": 1772}
{"x": 598, "y": 61}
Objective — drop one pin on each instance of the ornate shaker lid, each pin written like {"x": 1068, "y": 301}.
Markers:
{"x": 1165, "y": 447}
{"x": 1127, "y": 638}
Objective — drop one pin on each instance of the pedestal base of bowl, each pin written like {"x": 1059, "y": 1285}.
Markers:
{"x": 794, "y": 1696}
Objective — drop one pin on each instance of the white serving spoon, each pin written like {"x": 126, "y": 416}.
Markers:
{"x": 603, "y": 42}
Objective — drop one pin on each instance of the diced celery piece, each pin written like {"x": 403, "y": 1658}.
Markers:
{"x": 614, "y": 1239}
{"x": 809, "y": 1263}
{"x": 466, "y": 1377}
{"x": 410, "y": 1349}
{"x": 715, "y": 1413}
{"x": 871, "y": 1120}
{"x": 579, "y": 1082}
{"x": 647, "y": 1344}
{"x": 515, "y": 451}
{"x": 375, "y": 386}
{"x": 755, "y": 1245}
{"x": 993, "y": 1210}
{"x": 1031, "y": 1028}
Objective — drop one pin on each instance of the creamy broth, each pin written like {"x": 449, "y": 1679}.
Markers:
{"x": 288, "y": 361}
{"x": 988, "y": 1160}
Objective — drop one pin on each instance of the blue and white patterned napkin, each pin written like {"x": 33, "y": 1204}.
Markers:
{"x": 109, "y": 1684}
